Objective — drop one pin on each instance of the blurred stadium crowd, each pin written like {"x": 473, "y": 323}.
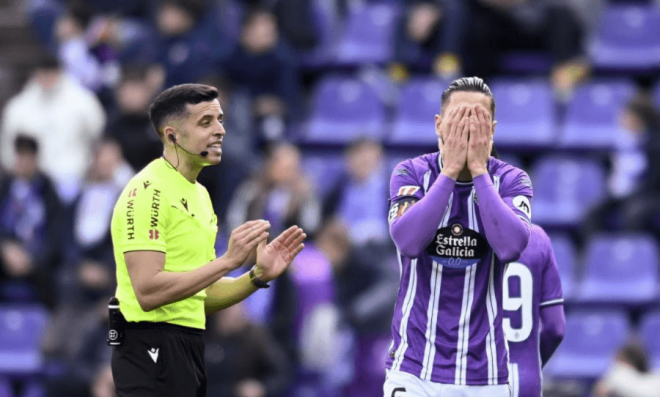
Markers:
{"x": 322, "y": 98}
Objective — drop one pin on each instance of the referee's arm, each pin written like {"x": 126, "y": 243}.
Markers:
{"x": 272, "y": 260}
{"x": 155, "y": 288}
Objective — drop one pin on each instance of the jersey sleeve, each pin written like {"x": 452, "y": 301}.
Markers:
{"x": 551, "y": 291}
{"x": 405, "y": 190}
{"x": 517, "y": 193}
{"x": 145, "y": 214}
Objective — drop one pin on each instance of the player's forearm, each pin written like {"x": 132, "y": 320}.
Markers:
{"x": 226, "y": 292}
{"x": 553, "y": 326}
{"x": 506, "y": 233}
{"x": 413, "y": 230}
{"x": 169, "y": 287}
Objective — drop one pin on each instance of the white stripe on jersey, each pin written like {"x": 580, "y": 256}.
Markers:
{"x": 472, "y": 212}
{"x": 496, "y": 182}
{"x": 432, "y": 322}
{"x": 552, "y": 302}
{"x": 427, "y": 179}
{"x": 464, "y": 326}
{"x": 445, "y": 218}
{"x": 514, "y": 380}
{"x": 491, "y": 346}
{"x": 407, "y": 308}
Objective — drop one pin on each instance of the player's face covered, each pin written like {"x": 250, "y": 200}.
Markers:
{"x": 456, "y": 100}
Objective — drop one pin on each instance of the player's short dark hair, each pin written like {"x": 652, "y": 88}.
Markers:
{"x": 173, "y": 101}
{"x": 468, "y": 84}
{"x": 635, "y": 355}
{"x": 25, "y": 144}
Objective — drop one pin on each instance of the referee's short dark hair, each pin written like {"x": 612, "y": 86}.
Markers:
{"x": 26, "y": 144}
{"x": 468, "y": 84}
{"x": 173, "y": 101}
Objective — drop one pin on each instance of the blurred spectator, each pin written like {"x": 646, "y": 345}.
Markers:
{"x": 265, "y": 66}
{"x": 295, "y": 19}
{"x": 29, "y": 242}
{"x": 63, "y": 117}
{"x": 91, "y": 212}
{"x": 79, "y": 353}
{"x": 242, "y": 358}
{"x": 279, "y": 193}
{"x": 633, "y": 183}
{"x": 191, "y": 42}
{"x": 365, "y": 293}
{"x": 429, "y": 38}
{"x": 496, "y": 26}
{"x": 358, "y": 197}
{"x": 131, "y": 127}
{"x": 629, "y": 376}
{"x": 73, "y": 50}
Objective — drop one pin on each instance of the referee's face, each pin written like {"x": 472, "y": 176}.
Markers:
{"x": 204, "y": 130}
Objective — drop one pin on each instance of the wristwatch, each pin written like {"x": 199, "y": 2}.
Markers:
{"x": 257, "y": 283}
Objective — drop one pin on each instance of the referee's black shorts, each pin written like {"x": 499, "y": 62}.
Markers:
{"x": 159, "y": 359}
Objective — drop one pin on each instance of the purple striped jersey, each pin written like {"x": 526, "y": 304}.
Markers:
{"x": 447, "y": 324}
{"x": 530, "y": 284}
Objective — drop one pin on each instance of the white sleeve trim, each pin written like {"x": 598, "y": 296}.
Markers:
{"x": 552, "y": 302}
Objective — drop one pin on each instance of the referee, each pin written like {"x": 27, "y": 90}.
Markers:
{"x": 163, "y": 233}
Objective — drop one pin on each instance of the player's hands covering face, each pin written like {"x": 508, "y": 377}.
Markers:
{"x": 244, "y": 239}
{"x": 274, "y": 258}
{"x": 454, "y": 133}
{"x": 479, "y": 142}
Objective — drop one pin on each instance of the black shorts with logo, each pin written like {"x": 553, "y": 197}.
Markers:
{"x": 159, "y": 359}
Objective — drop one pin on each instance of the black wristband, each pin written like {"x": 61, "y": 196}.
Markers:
{"x": 255, "y": 281}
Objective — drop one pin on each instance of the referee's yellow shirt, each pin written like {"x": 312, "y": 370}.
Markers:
{"x": 160, "y": 210}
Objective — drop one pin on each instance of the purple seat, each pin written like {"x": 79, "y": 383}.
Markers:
{"x": 590, "y": 342}
{"x": 343, "y": 110}
{"x": 620, "y": 269}
{"x": 565, "y": 254}
{"x": 21, "y": 328}
{"x": 524, "y": 113}
{"x": 649, "y": 329}
{"x": 592, "y": 118}
{"x": 323, "y": 170}
{"x": 419, "y": 102}
{"x": 565, "y": 188}
{"x": 325, "y": 20}
{"x": 368, "y": 36}
{"x": 628, "y": 37}
{"x": 5, "y": 388}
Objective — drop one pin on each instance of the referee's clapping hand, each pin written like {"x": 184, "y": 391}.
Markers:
{"x": 244, "y": 239}
{"x": 274, "y": 258}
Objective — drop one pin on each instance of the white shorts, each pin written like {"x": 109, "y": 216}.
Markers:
{"x": 402, "y": 384}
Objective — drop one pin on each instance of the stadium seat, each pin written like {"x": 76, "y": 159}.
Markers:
{"x": 419, "y": 102}
{"x": 565, "y": 188}
{"x": 524, "y": 114}
{"x": 565, "y": 254}
{"x": 649, "y": 329}
{"x": 628, "y": 37}
{"x": 368, "y": 36}
{"x": 323, "y": 170}
{"x": 21, "y": 329}
{"x": 325, "y": 21}
{"x": 590, "y": 342}
{"x": 620, "y": 268}
{"x": 5, "y": 388}
{"x": 592, "y": 117}
{"x": 343, "y": 110}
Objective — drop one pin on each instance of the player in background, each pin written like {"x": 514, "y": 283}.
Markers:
{"x": 457, "y": 216}
{"x": 534, "y": 320}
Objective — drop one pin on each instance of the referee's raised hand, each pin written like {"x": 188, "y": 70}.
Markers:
{"x": 274, "y": 258}
{"x": 244, "y": 239}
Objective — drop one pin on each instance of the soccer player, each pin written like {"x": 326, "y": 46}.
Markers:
{"x": 534, "y": 321}
{"x": 456, "y": 217}
{"x": 163, "y": 232}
